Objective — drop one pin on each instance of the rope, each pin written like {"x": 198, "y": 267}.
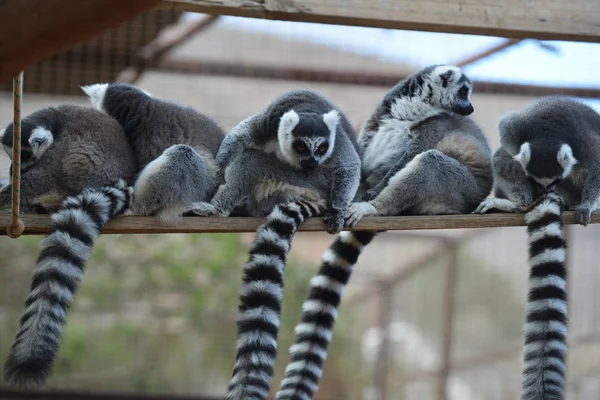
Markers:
{"x": 16, "y": 226}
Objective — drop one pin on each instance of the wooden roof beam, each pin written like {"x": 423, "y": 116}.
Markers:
{"x": 38, "y": 224}
{"x": 33, "y": 30}
{"x": 576, "y": 20}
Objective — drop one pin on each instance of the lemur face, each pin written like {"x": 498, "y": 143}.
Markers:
{"x": 35, "y": 140}
{"x": 307, "y": 140}
{"x": 544, "y": 165}
{"x": 452, "y": 89}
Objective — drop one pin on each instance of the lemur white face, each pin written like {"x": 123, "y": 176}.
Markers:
{"x": 451, "y": 89}
{"x": 546, "y": 169}
{"x": 309, "y": 142}
{"x": 32, "y": 147}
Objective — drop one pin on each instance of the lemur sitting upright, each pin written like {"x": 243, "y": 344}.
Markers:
{"x": 422, "y": 154}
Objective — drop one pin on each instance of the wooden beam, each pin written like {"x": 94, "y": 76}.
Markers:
{"x": 548, "y": 20}
{"x": 218, "y": 68}
{"x": 38, "y": 224}
{"x": 32, "y": 30}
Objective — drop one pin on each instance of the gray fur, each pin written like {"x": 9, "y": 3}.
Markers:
{"x": 533, "y": 143}
{"x": 335, "y": 175}
{"x": 420, "y": 156}
{"x": 59, "y": 269}
{"x": 173, "y": 178}
{"x": 78, "y": 148}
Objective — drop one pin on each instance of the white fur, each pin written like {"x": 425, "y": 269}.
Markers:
{"x": 524, "y": 155}
{"x": 2, "y": 131}
{"x": 96, "y": 93}
{"x": 40, "y": 139}
{"x": 331, "y": 120}
{"x": 566, "y": 159}
{"x": 152, "y": 168}
{"x": 287, "y": 123}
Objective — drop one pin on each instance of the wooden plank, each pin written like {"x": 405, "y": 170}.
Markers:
{"x": 32, "y": 30}
{"x": 38, "y": 224}
{"x": 577, "y": 20}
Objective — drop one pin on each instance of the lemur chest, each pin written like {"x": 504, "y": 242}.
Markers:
{"x": 389, "y": 143}
{"x": 273, "y": 188}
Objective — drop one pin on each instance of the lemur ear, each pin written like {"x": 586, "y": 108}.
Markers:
{"x": 565, "y": 157}
{"x": 331, "y": 120}
{"x": 96, "y": 93}
{"x": 524, "y": 154}
{"x": 287, "y": 123}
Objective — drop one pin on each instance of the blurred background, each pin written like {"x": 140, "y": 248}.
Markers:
{"x": 427, "y": 315}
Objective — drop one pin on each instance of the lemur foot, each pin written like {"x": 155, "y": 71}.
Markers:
{"x": 498, "y": 204}
{"x": 357, "y": 211}
{"x": 370, "y": 194}
{"x": 583, "y": 214}
{"x": 334, "y": 218}
{"x": 204, "y": 209}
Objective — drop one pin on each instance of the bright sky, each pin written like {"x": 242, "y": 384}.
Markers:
{"x": 573, "y": 64}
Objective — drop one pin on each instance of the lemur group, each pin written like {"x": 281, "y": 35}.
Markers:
{"x": 419, "y": 153}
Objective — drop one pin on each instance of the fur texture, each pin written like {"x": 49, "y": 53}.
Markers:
{"x": 260, "y": 301}
{"x": 545, "y": 349}
{"x": 59, "y": 269}
{"x": 174, "y": 145}
{"x": 64, "y": 150}
{"x": 319, "y": 312}
{"x": 418, "y": 158}
{"x": 551, "y": 144}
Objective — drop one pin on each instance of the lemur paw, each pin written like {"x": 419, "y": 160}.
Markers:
{"x": 357, "y": 211}
{"x": 334, "y": 218}
{"x": 370, "y": 195}
{"x": 206, "y": 210}
{"x": 583, "y": 214}
{"x": 497, "y": 204}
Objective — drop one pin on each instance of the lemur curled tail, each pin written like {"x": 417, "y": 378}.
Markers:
{"x": 59, "y": 269}
{"x": 545, "y": 349}
{"x": 260, "y": 300}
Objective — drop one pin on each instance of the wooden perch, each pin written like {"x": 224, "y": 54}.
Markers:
{"x": 38, "y": 224}
{"x": 575, "y": 20}
{"x": 32, "y": 30}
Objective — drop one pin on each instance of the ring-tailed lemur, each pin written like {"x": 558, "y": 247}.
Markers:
{"x": 175, "y": 146}
{"x": 552, "y": 143}
{"x": 305, "y": 131}
{"x": 65, "y": 149}
{"x": 421, "y": 155}
{"x": 295, "y": 159}
{"x": 59, "y": 269}
{"x": 545, "y": 347}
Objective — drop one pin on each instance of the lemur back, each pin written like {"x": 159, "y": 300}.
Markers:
{"x": 419, "y": 157}
{"x": 65, "y": 149}
{"x": 175, "y": 147}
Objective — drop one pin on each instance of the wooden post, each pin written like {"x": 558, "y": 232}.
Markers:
{"x": 383, "y": 323}
{"x": 448, "y": 322}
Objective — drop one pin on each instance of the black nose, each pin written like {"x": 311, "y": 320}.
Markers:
{"x": 309, "y": 165}
{"x": 463, "y": 110}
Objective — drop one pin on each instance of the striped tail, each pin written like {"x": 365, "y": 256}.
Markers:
{"x": 260, "y": 301}
{"x": 545, "y": 349}
{"x": 59, "y": 269}
{"x": 319, "y": 313}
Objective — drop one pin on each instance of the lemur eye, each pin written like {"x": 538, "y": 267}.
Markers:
{"x": 322, "y": 148}
{"x": 299, "y": 147}
{"x": 463, "y": 92}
